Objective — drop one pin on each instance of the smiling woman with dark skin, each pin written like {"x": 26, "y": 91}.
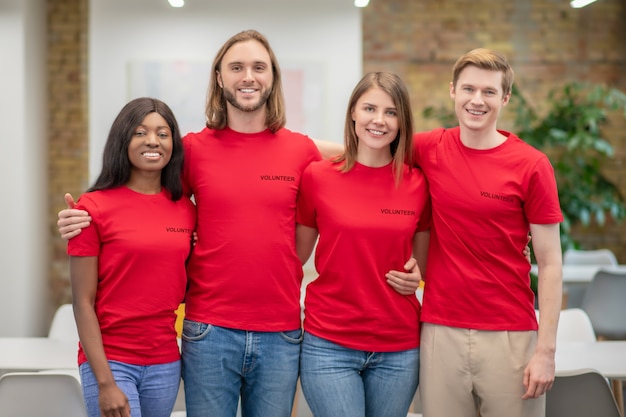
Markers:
{"x": 127, "y": 269}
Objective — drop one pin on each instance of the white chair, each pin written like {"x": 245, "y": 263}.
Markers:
{"x": 581, "y": 393}
{"x": 35, "y": 394}
{"x": 63, "y": 326}
{"x": 599, "y": 257}
{"x": 575, "y": 326}
{"x": 605, "y": 304}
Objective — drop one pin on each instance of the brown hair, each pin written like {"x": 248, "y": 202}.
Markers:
{"x": 488, "y": 60}
{"x": 401, "y": 146}
{"x": 215, "y": 112}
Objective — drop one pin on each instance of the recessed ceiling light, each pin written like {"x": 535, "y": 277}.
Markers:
{"x": 577, "y": 4}
{"x": 177, "y": 3}
{"x": 361, "y": 3}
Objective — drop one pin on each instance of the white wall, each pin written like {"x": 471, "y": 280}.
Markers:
{"x": 24, "y": 286}
{"x": 325, "y": 33}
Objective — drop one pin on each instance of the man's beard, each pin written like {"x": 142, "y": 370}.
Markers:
{"x": 230, "y": 97}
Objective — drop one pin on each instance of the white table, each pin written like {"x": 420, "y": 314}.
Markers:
{"x": 582, "y": 273}
{"x": 36, "y": 354}
{"x": 576, "y": 278}
{"x": 606, "y": 357}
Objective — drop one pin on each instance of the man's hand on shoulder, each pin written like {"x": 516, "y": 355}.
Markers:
{"x": 71, "y": 221}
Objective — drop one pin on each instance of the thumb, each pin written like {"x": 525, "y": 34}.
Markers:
{"x": 69, "y": 200}
{"x": 410, "y": 264}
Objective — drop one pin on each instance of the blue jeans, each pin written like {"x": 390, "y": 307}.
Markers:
{"x": 220, "y": 365}
{"x": 339, "y": 381}
{"x": 151, "y": 390}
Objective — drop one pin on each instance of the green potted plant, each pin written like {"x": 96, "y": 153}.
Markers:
{"x": 570, "y": 134}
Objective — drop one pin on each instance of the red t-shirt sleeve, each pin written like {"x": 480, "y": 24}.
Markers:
{"x": 87, "y": 243}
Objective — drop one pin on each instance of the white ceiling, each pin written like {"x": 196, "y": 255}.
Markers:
{"x": 220, "y": 5}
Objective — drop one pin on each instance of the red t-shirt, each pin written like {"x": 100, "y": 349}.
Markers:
{"x": 142, "y": 242}
{"x": 483, "y": 202}
{"x": 366, "y": 226}
{"x": 244, "y": 272}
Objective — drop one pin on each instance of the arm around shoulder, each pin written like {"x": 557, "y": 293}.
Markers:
{"x": 70, "y": 220}
{"x": 306, "y": 238}
{"x": 328, "y": 149}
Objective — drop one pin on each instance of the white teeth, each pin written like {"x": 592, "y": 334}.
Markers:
{"x": 377, "y": 132}
{"x": 247, "y": 90}
{"x": 476, "y": 112}
{"x": 150, "y": 154}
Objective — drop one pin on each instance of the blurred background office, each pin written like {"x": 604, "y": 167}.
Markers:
{"x": 67, "y": 65}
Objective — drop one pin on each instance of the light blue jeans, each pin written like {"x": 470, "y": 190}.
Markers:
{"x": 220, "y": 365}
{"x": 151, "y": 390}
{"x": 339, "y": 381}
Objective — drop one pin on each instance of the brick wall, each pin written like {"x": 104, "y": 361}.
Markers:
{"x": 68, "y": 123}
{"x": 546, "y": 41}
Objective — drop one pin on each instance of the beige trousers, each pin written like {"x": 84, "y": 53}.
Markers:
{"x": 464, "y": 372}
